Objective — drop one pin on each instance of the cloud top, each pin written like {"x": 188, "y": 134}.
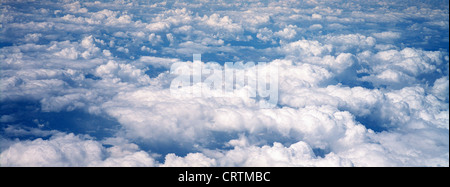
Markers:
{"x": 359, "y": 84}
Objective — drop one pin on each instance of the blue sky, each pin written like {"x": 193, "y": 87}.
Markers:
{"x": 87, "y": 83}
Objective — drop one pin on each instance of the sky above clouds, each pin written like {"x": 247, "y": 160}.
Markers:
{"x": 360, "y": 83}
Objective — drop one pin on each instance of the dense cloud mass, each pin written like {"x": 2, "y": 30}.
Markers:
{"x": 88, "y": 83}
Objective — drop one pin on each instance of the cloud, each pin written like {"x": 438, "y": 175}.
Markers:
{"x": 155, "y": 62}
{"x": 440, "y": 88}
{"x": 316, "y": 16}
{"x": 222, "y": 25}
{"x": 306, "y": 48}
{"x": 315, "y": 27}
{"x": 264, "y": 34}
{"x": 298, "y": 154}
{"x": 287, "y": 33}
{"x": 190, "y": 160}
{"x": 395, "y": 68}
{"x": 67, "y": 150}
{"x": 350, "y": 42}
{"x": 388, "y": 35}
{"x": 72, "y": 150}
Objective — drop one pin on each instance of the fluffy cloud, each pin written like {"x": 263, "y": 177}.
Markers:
{"x": 298, "y": 154}
{"x": 72, "y": 150}
{"x": 287, "y": 33}
{"x": 68, "y": 150}
{"x": 190, "y": 160}
{"x": 306, "y": 48}
{"x": 399, "y": 68}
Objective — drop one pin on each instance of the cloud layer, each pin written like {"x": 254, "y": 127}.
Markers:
{"x": 88, "y": 83}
